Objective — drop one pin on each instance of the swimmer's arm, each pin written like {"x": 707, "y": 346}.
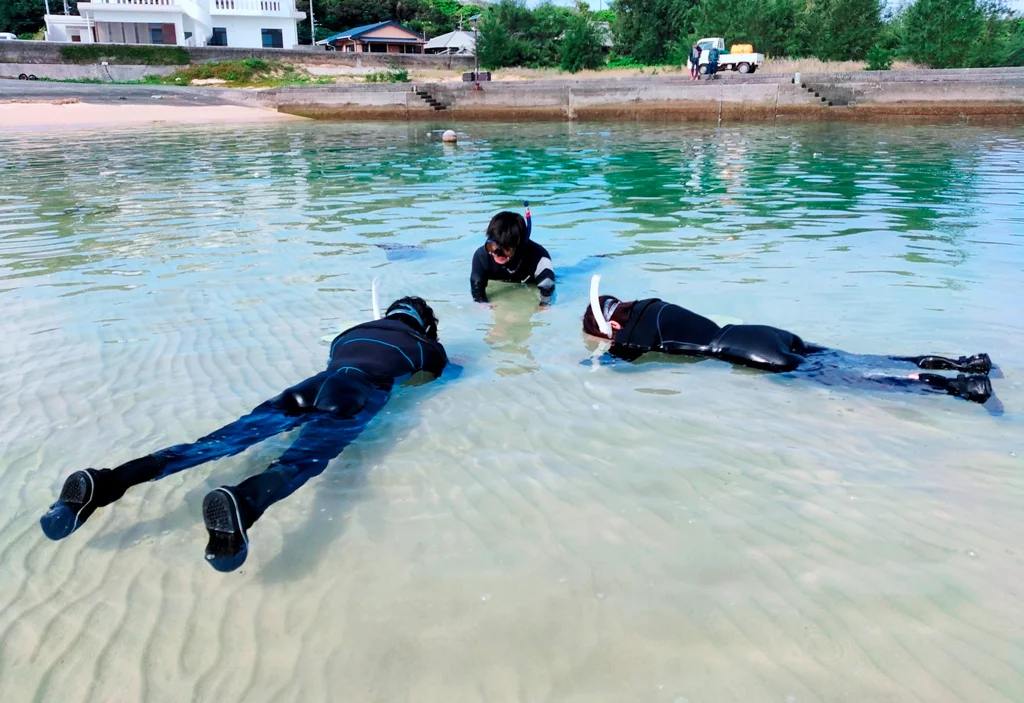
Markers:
{"x": 452, "y": 371}
{"x": 440, "y": 366}
{"x": 544, "y": 274}
{"x": 605, "y": 359}
{"x": 478, "y": 278}
{"x": 669, "y": 346}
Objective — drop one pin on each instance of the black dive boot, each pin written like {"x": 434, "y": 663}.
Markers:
{"x": 976, "y": 388}
{"x": 76, "y": 503}
{"x": 979, "y": 363}
{"x": 229, "y": 544}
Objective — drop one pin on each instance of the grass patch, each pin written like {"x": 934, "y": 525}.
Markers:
{"x": 132, "y": 55}
{"x": 72, "y": 80}
{"x": 147, "y": 80}
{"x": 391, "y": 75}
{"x": 243, "y": 73}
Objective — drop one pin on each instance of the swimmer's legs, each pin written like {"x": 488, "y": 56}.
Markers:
{"x": 834, "y": 367}
{"x": 343, "y": 409}
{"x": 977, "y": 363}
{"x": 976, "y": 387}
{"x": 85, "y": 491}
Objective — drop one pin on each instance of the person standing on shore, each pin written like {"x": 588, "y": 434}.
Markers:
{"x": 712, "y": 61}
{"x": 695, "y": 63}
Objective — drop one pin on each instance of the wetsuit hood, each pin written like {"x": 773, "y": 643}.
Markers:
{"x": 624, "y": 337}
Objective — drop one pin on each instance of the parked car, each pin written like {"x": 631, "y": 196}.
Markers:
{"x": 746, "y": 62}
{"x": 7, "y": 36}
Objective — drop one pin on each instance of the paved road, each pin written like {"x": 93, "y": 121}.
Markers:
{"x": 110, "y": 94}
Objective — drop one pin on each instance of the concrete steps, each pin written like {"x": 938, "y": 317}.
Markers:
{"x": 429, "y": 99}
{"x": 810, "y": 89}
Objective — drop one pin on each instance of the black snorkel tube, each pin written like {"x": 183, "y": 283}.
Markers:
{"x": 529, "y": 218}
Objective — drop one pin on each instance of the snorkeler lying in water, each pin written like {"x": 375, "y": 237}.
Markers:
{"x": 332, "y": 408}
{"x": 652, "y": 325}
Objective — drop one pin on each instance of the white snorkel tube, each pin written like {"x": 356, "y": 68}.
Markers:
{"x": 595, "y": 307}
{"x": 376, "y": 298}
{"x": 606, "y": 328}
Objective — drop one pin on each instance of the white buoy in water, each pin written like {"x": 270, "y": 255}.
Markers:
{"x": 449, "y": 136}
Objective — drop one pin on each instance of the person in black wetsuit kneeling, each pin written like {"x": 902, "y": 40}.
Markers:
{"x": 652, "y": 325}
{"x": 332, "y": 408}
{"x": 510, "y": 255}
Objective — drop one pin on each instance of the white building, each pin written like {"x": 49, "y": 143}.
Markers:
{"x": 251, "y": 24}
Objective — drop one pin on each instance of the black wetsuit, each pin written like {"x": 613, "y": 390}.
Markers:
{"x": 531, "y": 264}
{"x": 655, "y": 325}
{"x": 332, "y": 408}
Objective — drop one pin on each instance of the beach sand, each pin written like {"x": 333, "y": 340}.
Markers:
{"x": 71, "y": 113}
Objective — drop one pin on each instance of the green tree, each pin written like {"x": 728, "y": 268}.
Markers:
{"x": 999, "y": 43}
{"x": 943, "y": 33}
{"x": 583, "y": 42}
{"x": 503, "y": 31}
{"x": 648, "y": 29}
{"x": 548, "y": 25}
{"x": 26, "y": 16}
{"x": 847, "y": 28}
{"x": 1011, "y": 53}
{"x": 770, "y": 25}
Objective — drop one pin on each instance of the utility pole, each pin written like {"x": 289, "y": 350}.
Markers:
{"x": 67, "y": 10}
{"x": 312, "y": 25}
{"x": 47, "y": 3}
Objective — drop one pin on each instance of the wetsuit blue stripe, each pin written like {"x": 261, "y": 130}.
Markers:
{"x": 418, "y": 344}
{"x": 386, "y": 344}
{"x": 352, "y": 368}
{"x": 337, "y": 371}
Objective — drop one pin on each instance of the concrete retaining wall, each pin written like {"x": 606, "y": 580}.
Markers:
{"x": 630, "y": 99}
{"x": 72, "y": 72}
{"x": 24, "y": 52}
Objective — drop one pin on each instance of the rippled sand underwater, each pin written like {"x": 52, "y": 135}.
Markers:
{"x": 536, "y": 529}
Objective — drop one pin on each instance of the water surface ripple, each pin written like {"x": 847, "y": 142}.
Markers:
{"x": 534, "y": 530}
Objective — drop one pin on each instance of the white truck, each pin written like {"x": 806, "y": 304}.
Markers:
{"x": 742, "y": 62}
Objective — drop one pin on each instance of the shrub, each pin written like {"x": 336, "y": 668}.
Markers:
{"x": 391, "y": 75}
{"x": 880, "y": 59}
{"x": 123, "y": 54}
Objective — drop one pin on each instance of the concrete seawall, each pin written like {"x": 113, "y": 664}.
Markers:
{"x": 546, "y": 100}
{"x": 992, "y": 93}
{"x": 975, "y": 94}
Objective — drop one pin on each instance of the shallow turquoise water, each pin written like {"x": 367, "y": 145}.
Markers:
{"x": 535, "y": 530}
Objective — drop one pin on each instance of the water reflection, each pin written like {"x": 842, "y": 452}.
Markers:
{"x": 157, "y": 281}
{"x": 516, "y": 314}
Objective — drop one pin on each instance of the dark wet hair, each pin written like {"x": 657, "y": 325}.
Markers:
{"x": 621, "y": 314}
{"x": 426, "y": 313}
{"x": 508, "y": 229}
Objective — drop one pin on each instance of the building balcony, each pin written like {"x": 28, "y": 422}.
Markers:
{"x": 133, "y": 5}
{"x": 249, "y": 8}
{"x": 256, "y": 8}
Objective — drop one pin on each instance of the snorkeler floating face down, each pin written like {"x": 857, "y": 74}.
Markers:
{"x": 639, "y": 326}
{"x": 331, "y": 408}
